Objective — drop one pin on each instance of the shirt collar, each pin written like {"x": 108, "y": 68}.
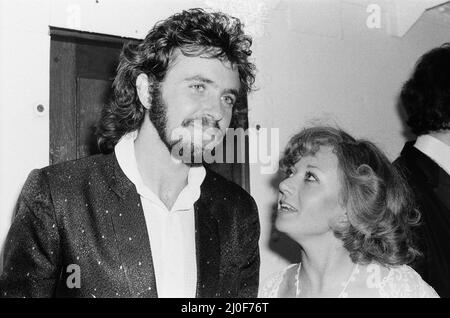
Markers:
{"x": 438, "y": 151}
{"x": 126, "y": 158}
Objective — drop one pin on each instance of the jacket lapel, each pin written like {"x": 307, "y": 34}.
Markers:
{"x": 133, "y": 240}
{"x": 207, "y": 244}
{"x": 443, "y": 188}
{"x": 131, "y": 234}
{"x": 430, "y": 173}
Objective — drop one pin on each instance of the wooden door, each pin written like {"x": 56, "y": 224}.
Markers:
{"x": 82, "y": 68}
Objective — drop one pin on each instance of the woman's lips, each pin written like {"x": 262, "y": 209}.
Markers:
{"x": 286, "y": 207}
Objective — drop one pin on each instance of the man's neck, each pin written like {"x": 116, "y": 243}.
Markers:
{"x": 443, "y": 136}
{"x": 165, "y": 176}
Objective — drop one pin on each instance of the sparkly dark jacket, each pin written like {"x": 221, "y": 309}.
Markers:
{"x": 431, "y": 186}
{"x": 85, "y": 217}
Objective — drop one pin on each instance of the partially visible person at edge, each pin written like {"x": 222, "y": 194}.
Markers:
{"x": 142, "y": 221}
{"x": 425, "y": 162}
{"x": 349, "y": 210}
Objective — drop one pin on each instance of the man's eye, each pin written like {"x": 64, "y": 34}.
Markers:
{"x": 229, "y": 100}
{"x": 310, "y": 177}
{"x": 198, "y": 87}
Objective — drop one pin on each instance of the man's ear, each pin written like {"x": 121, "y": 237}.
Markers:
{"x": 142, "y": 89}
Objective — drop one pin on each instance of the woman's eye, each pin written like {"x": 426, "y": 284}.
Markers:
{"x": 310, "y": 177}
{"x": 290, "y": 173}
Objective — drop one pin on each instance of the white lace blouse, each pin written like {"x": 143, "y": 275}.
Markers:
{"x": 397, "y": 282}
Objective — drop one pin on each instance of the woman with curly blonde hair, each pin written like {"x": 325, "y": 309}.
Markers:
{"x": 350, "y": 212}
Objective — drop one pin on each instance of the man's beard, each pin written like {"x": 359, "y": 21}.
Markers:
{"x": 158, "y": 115}
{"x": 189, "y": 152}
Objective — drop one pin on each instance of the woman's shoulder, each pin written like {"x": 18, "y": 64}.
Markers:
{"x": 404, "y": 282}
{"x": 271, "y": 286}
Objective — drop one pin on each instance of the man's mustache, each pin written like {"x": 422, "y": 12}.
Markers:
{"x": 206, "y": 122}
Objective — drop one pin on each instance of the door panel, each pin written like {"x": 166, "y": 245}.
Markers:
{"x": 62, "y": 101}
{"x": 92, "y": 94}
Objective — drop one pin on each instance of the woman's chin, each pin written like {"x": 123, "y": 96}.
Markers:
{"x": 284, "y": 222}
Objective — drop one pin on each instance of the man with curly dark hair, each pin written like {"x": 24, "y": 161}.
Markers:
{"x": 145, "y": 218}
{"x": 426, "y": 162}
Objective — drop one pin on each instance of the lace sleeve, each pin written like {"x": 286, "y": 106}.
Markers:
{"x": 404, "y": 282}
{"x": 271, "y": 286}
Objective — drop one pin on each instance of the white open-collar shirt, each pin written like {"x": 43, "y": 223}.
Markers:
{"x": 438, "y": 151}
{"x": 171, "y": 232}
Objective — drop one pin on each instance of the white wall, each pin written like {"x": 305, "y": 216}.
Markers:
{"x": 24, "y": 82}
{"x": 315, "y": 60}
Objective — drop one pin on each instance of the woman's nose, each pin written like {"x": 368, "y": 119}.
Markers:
{"x": 284, "y": 187}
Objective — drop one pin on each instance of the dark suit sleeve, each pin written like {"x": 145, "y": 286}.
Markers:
{"x": 32, "y": 245}
{"x": 419, "y": 235}
{"x": 420, "y": 239}
{"x": 249, "y": 271}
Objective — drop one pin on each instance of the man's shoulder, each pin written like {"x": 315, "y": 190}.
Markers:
{"x": 406, "y": 155}
{"x": 416, "y": 166}
{"x": 78, "y": 166}
{"x": 217, "y": 183}
{"x": 218, "y": 186}
{"x": 71, "y": 174}
{"x": 65, "y": 179}
{"x": 410, "y": 162}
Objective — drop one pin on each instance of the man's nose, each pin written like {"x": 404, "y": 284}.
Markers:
{"x": 213, "y": 108}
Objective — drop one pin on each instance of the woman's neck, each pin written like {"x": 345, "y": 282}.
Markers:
{"x": 326, "y": 266}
